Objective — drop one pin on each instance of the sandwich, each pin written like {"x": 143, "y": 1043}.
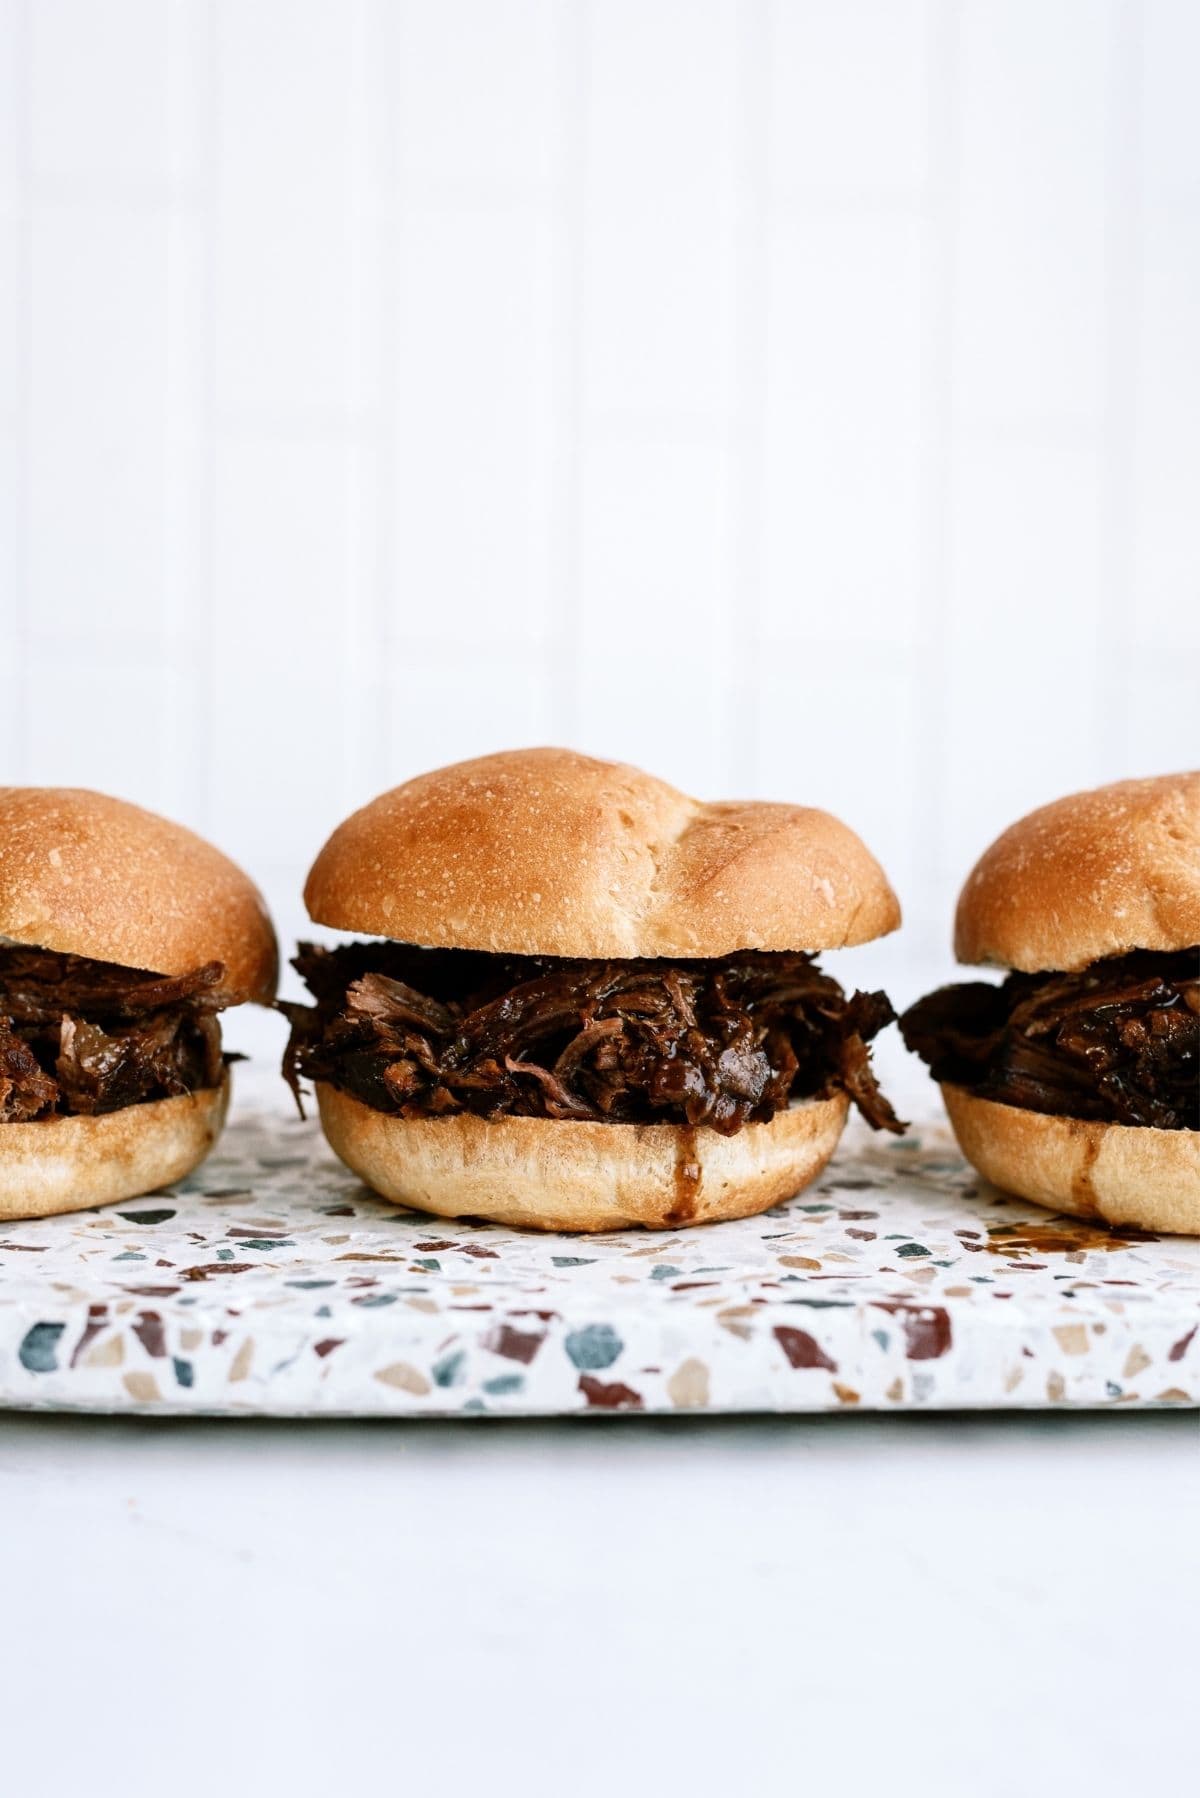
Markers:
{"x": 592, "y": 1001}
{"x": 122, "y": 939}
{"x": 1076, "y": 1081}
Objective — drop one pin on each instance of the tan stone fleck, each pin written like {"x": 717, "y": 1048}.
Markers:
{"x": 1135, "y": 1360}
{"x": 895, "y": 1392}
{"x": 407, "y": 1378}
{"x": 1056, "y": 1386}
{"x": 141, "y": 1386}
{"x": 1013, "y": 1378}
{"x": 110, "y": 1352}
{"x": 688, "y": 1385}
{"x": 1072, "y": 1339}
{"x": 242, "y": 1361}
{"x": 846, "y": 1395}
{"x": 190, "y": 1339}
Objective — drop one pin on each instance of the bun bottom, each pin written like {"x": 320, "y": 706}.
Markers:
{"x": 565, "y": 1174}
{"x": 1119, "y": 1173}
{"x": 72, "y": 1163}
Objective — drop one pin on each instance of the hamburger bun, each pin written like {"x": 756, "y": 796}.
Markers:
{"x": 546, "y": 852}
{"x": 562, "y": 1174}
{"x": 1094, "y": 875}
{"x": 1119, "y": 1173}
{"x": 72, "y": 1163}
{"x": 84, "y": 874}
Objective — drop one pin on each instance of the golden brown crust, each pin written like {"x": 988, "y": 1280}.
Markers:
{"x": 84, "y": 874}
{"x": 546, "y": 852}
{"x": 72, "y": 1163}
{"x": 1125, "y": 1175}
{"x": 552, "y": 1174}
{"x": 1096, "y": 874}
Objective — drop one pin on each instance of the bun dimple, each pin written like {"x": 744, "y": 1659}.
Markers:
{"x": 1093, "y": 875}
{"x": 84, "y": 874}
{"x": 547, "y": 852}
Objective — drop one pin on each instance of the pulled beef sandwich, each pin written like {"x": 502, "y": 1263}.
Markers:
{"x": 598, "y": 1004}
{"x": 122, "y": 937}
{"x": 1076, "y": 1082}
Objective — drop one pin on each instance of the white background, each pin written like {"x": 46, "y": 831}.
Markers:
{"x": 800, "y": 399}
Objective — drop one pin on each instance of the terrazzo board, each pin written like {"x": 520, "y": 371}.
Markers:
{"x": 271, "y": 1283}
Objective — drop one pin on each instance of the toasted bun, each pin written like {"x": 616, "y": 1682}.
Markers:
{"x": 87, "y": 875}
{"x": 1094, "y": 875}
{"x": 72, "y": 1163}
{"x": 545, "y": 852}
{"x": 1143, "y": 1177}
{"x": 560, "y": 1174}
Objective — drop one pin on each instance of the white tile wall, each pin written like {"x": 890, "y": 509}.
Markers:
{"x": 792, "y": 395}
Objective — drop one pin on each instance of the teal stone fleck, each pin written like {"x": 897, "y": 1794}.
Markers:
{"x": 504, "y": 1383}
{"x": 38, "y": 1352}
{"x": 375, "y": 1301}
{"x": 818, "y": 1304}
{"x": 146, "y": 1217}
{"x": 814, "y": 1207}
{"x": 448, "y": 1371}
{"x": 909, "y": 1249}
{"x": 267, "y": 1242}
{"x": 572, "y": 1260}
{"x": 1112, "y": 1389}
{"x": 224, "y": 1254}
{"x": 664, "y": 1273}
{"x": 475, "y": 1405}
{"x": 309, "y": 1285}
{"x": 185, "y": 1373}
{"x": 129, "y": 1255}
{"x": 322, "y": 1311}
{"x": 429, "y": 1263}
{"x": 593, "y": 1347}
{"x": 882, "y": 1338}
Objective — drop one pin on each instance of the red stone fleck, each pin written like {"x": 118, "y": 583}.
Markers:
{"x": 149, "y": 1331}
{"x": 801, "y": 1349}
{"x": 609, "y": 1395}
{"x": 927, "y": 1332}
{"x": 327, "y": 1345}
{"x": 514, "y": 1345}
{"x": 1179, "y": 1349}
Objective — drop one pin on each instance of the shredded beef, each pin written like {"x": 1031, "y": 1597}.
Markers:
{"x": 1118, "y": 1042}
{"x": 426, "y": 1032}
{"x": 79, "y": 1037}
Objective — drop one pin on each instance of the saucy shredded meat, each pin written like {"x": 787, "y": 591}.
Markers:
{"x": 1119, "y": 1041}
{"x": 78, "y": 1037}
{"x": 426, "y": 1032}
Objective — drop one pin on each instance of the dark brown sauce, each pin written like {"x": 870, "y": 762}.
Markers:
{"x": 687, "y": 1176}
{"x": 1083, "y": 1192}
{"x": 1059, "y": 1235}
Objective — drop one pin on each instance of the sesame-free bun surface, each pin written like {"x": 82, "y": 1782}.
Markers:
{"x": 565, "y": 1174}
{"x": 1123, "y": 1174}
{"x": 1093, "y": 875}
{"x": 71, "y": 1163}
{"x": 84, "y": 874}
{"x": 546, "y": 852}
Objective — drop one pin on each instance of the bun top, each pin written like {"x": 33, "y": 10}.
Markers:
{"x": 87, "y": 875}
{"x": 1090, "y": 876}
{"x": 545, "y": 852}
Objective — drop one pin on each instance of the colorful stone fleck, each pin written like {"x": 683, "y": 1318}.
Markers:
{"x": 271, "y": 1282}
